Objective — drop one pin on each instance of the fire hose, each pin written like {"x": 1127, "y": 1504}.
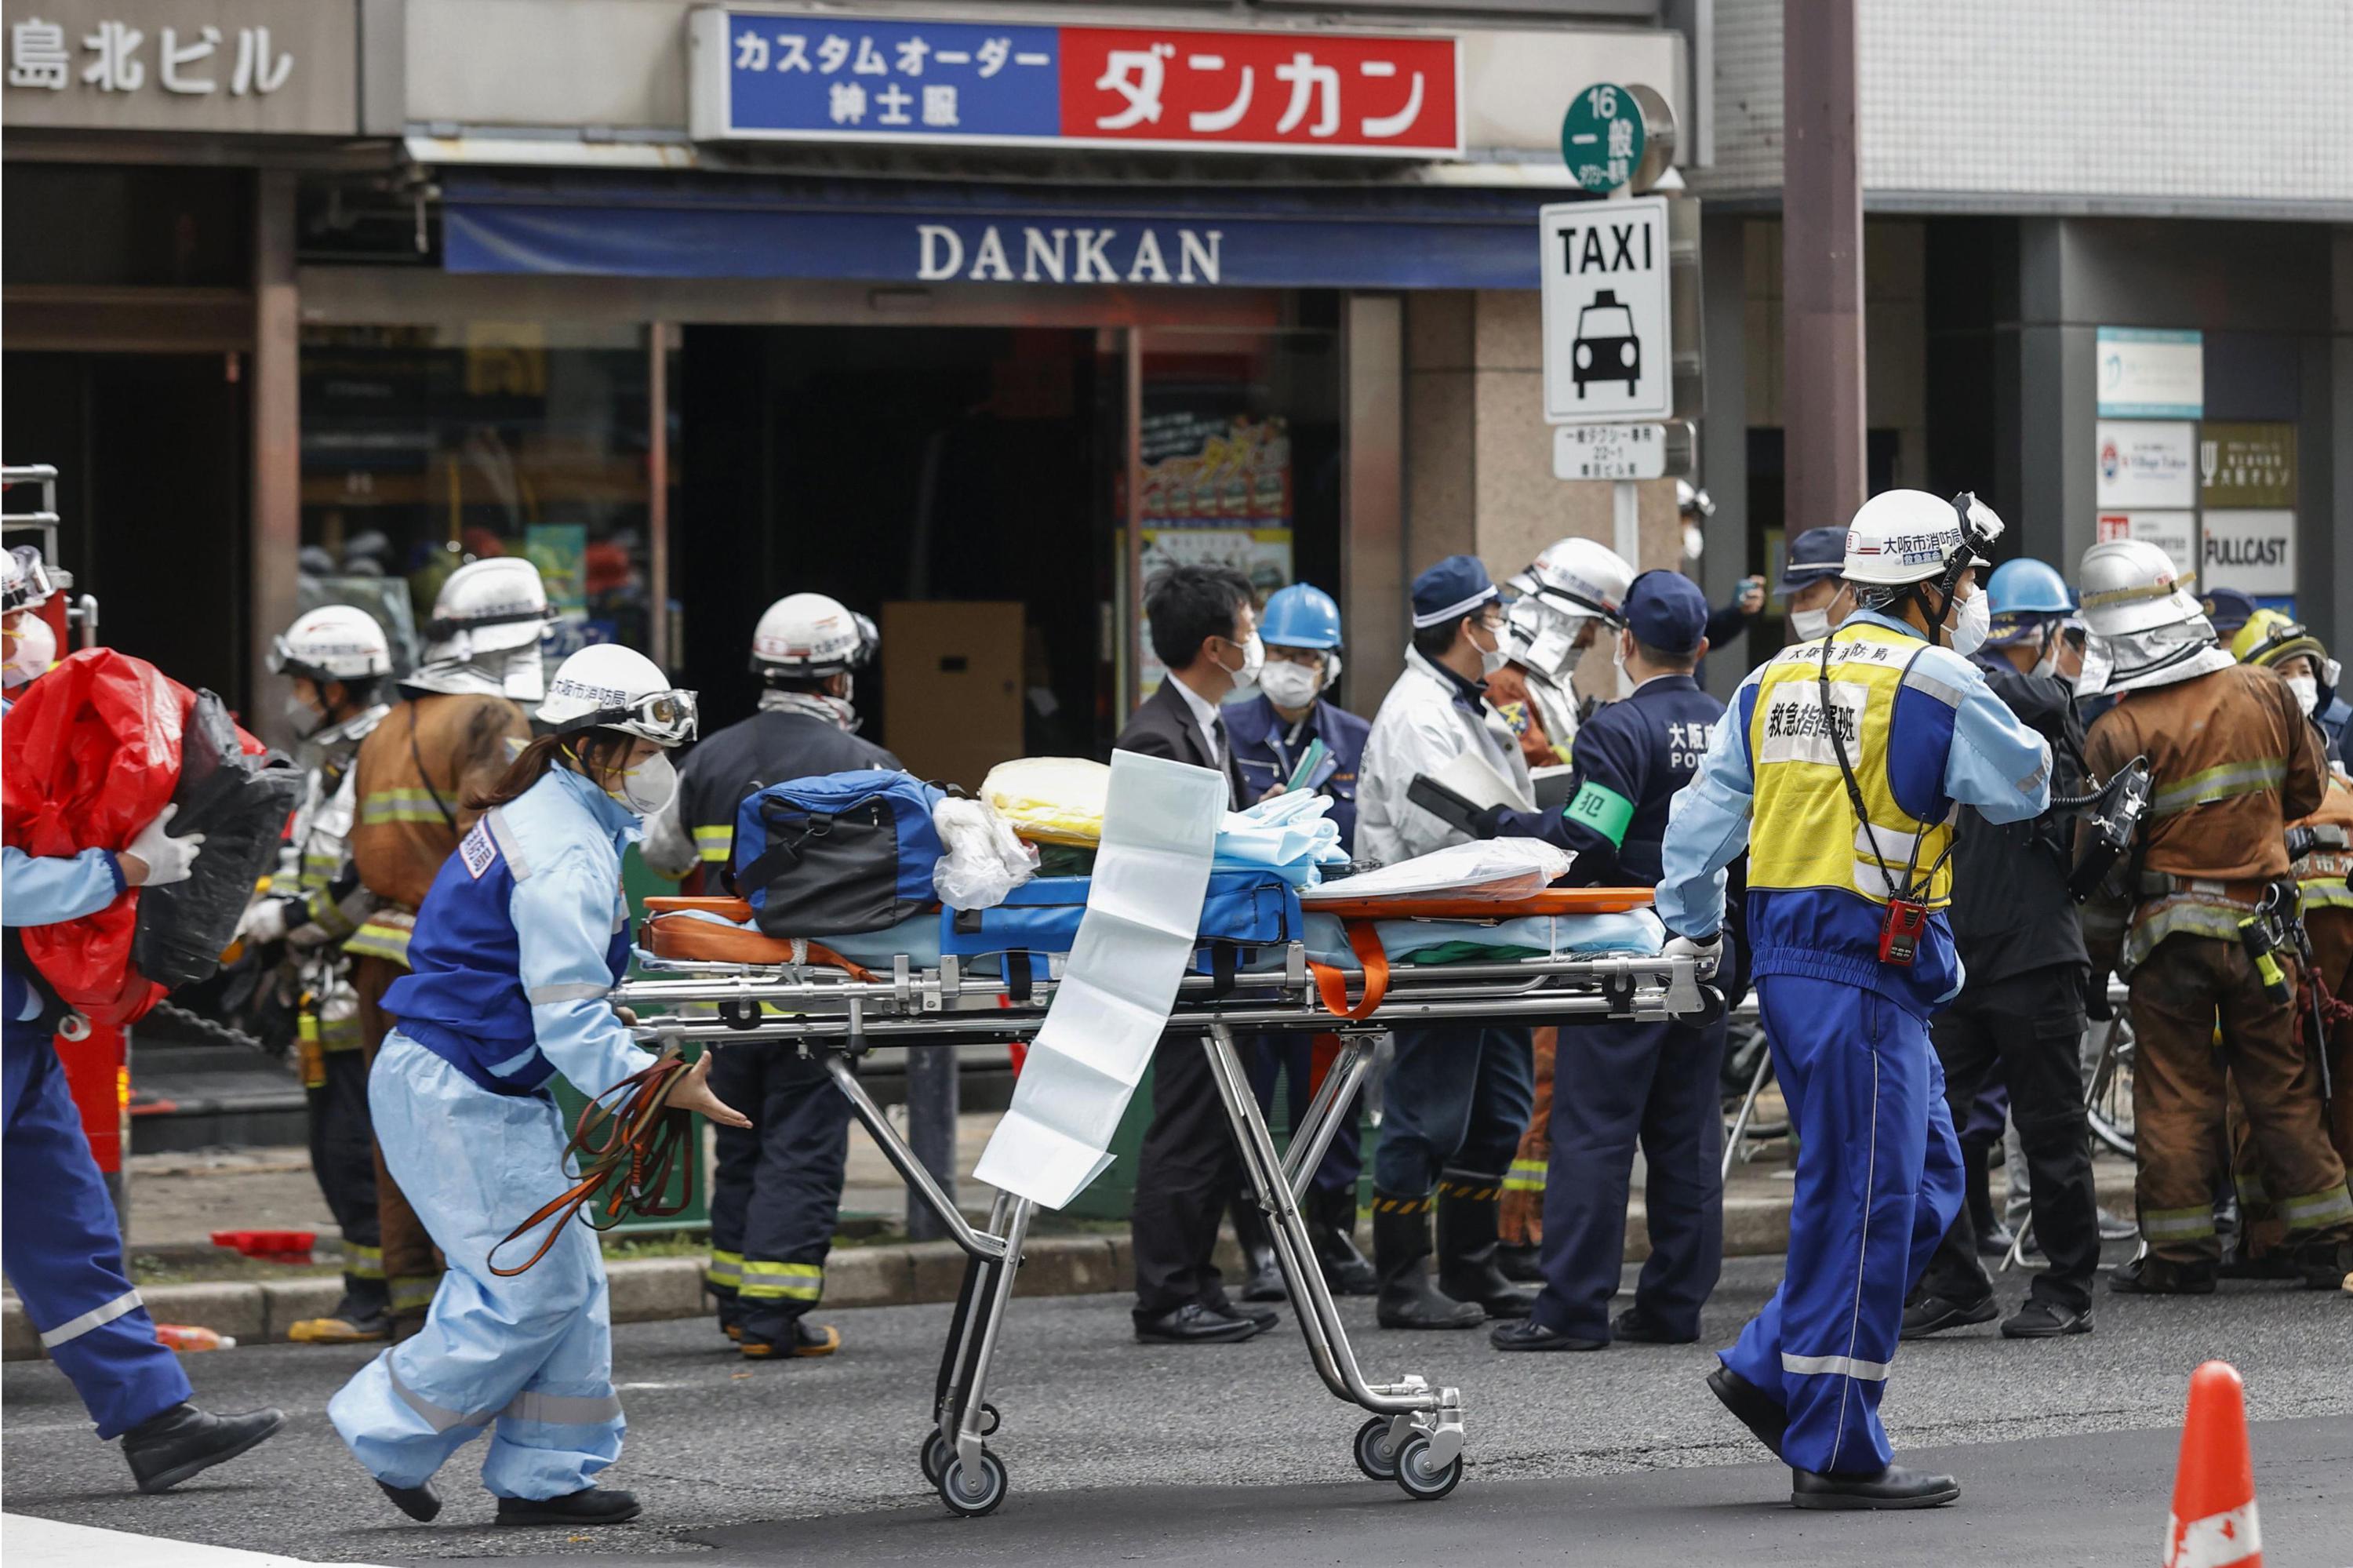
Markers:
{"x": 626, "y": 1146}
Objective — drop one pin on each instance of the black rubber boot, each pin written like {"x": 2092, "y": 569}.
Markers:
{"x": 1521, "y": 1265}
{"x": 588, "y": 1506}
{"x": 2324, "y": 1265}
{"x": 167, "y": 1448}
{"x": 1331, "y": 1226}
{"x": 1401, "y": 1256}
{"x": 1468, "y": 1209}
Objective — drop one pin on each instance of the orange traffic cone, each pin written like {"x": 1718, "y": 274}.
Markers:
{"x": 2213, "y": 1521}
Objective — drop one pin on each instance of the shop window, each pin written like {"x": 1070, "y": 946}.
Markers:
{"x": 425, "y": 446}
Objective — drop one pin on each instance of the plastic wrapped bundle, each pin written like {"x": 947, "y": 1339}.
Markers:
{"x": 239, "y": 801}
{"x": 1503, "y": 869}
{"x": 1051, "y": 800}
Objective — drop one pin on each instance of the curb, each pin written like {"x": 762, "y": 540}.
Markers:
{"x": 648, "y": 1291}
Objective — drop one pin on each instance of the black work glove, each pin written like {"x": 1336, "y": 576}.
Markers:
{"x": 2301, "y": 841}
{"x": 1489, "y": 823}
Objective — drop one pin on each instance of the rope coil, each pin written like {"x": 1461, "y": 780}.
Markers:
{"x": 622, "y": 1159}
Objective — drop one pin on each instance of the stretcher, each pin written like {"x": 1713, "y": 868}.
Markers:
{"x": 1358, "y": 969}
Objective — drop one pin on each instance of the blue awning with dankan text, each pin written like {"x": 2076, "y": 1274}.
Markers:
{"x": 701, "y": 226}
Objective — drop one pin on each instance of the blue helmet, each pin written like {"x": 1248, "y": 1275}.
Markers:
{"x": 2022, "y": 594}
{"x": 1300, "y": 616}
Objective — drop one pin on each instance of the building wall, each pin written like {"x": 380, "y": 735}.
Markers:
{"x": 2095, "y": 105}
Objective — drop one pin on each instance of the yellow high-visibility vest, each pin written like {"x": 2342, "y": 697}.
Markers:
{"x": 1803, "y": 832}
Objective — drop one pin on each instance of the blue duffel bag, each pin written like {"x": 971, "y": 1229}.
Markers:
{"x": 1242, "y": 911}
{"x": 838, "y": 851}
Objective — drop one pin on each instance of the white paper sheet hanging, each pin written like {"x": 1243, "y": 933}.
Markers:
{"x": 1142, "y": 922}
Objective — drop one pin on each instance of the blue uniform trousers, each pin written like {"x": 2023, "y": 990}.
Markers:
{"x": 64, "y": 1249}
{"x": 776, "y": 1196}
{"x": 529, "y": 1357}
{"x": 1613, "y": 1084}
{"x": 1457, "y": 1097}
{"x": 1291, "y": 1055}
{"x": 1879, "y": 1179}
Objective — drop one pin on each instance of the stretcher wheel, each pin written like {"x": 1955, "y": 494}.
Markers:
{"x": 935, "y": 1458}
{"x": 974, "y": 1495}
{"x": 1375, "y": 1456}
{"x": 990, "y": 1420}
{"x": 1421, "y": 1480}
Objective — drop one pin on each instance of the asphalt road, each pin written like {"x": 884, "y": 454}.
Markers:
{"x": 1123, "y": 1452}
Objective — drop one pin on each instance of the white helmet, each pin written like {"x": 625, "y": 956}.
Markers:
{"x": 607, "y": 686}
{"x": 487, "y": 607}
{"x": 2129, "y": 586}
{"x": 1579, "y": 577}
{"x": 332, "y": 642}
{"x": 808, "y": 634}
{"x": 28, "y": 585}
{"x": 1902, "y": 537}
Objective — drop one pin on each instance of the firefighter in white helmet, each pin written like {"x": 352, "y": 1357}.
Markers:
{"x": 1838, "y": 769}
{"x": 2233, "y": 761}
{"x": 31, "y": 644}
{"x": 452, "y": 734}
{"x": 524, "y": 931}
{"x": 337, "y": 660}
{"x": 777, "y": 1190}
{"x": 1569, "y": 596}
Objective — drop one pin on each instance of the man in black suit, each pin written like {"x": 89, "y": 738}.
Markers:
{"x": 1205, "y": 629}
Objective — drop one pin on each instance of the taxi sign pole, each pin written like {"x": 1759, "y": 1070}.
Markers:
{"x": 1625, "y": 496}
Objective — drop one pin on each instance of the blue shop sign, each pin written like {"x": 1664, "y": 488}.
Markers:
{"x": 1277, "y": 238}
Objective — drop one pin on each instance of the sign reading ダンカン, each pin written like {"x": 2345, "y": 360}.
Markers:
{"x": 762, "y": 76}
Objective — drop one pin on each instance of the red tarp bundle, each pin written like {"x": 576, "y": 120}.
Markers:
{"x": 90, "y": 754}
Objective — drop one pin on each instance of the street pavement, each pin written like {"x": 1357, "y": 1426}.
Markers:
{"x": 1119, "y": 1452}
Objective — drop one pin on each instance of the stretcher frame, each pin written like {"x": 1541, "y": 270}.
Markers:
{"x": 1414, "y": 1432}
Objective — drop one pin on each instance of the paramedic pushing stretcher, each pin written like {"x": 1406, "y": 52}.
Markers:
{"x": 1845, "y": 808}
{"x": 775, "y": 1196}
{"x": 1618, "y": 1083}
{"x": 64, "y": 1244}
{"x": 1458, "y": 1094}
{"x": 523, "y": 933}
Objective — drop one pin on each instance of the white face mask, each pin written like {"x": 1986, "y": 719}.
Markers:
{"x": 1246, "y": 679}
{"x": 305, "y": 720}
{"x": 1493, "y": 659}
{"x": 1975, "y": 621}
{"x": 1625, "y": 676}
{"x": 1807, "y": 625}
{"x": 2307, "y": 693}
{"x": 648, "y": 788}
{"x": 32, "y": 649}
{"x": 1290, "y": 685}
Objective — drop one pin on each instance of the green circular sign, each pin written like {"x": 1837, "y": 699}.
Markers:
{"x": 1602, "y": 137}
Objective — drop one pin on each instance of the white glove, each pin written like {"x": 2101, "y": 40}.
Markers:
{"x": 1707, "y": 950}
{"x": 264, "y": 922}
{"x": 167, "y": 859}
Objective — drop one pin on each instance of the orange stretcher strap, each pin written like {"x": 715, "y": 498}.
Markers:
{"x": 1440, "y": 906}
{"x": 680, "y": 936}
{"x": 1332, "y": 984}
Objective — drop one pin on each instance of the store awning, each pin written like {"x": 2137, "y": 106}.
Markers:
{"x": 702, "y": 227}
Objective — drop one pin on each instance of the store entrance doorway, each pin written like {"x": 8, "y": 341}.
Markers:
{"x": 930, "y": 469}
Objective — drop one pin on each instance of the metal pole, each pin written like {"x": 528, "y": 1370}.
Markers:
{"x": 1626, "y": 517}
{"x": 1822, "y": 267}
{"x": 658, "y": 488}
{"x": 932, "y": 1132}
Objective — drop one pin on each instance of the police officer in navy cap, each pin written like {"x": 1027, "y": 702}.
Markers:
{"x": 1617, "y": 1083}
{"x": 1810, "y": 581}
{"x": 2228, "y": 609}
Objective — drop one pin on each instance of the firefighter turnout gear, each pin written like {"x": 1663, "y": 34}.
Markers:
{"x": 2235, "y": 761}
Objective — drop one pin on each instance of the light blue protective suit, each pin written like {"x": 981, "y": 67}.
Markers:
{"x": 523, "y": 932}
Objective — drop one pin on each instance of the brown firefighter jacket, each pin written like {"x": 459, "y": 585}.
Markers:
{"x": 2234, "y": 762}
{"x": 416, "y": 771}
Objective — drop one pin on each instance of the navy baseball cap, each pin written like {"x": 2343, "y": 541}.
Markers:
{"x": 1816, "y": 553}
{"x": 1456, "y": 586}
{"x": 2229, "y": 609}
{"x": 1665, "y": 610}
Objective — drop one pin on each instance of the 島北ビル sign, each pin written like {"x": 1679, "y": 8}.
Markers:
{"x": 762, "y": 76}
{"x": 1608, "y": 357}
